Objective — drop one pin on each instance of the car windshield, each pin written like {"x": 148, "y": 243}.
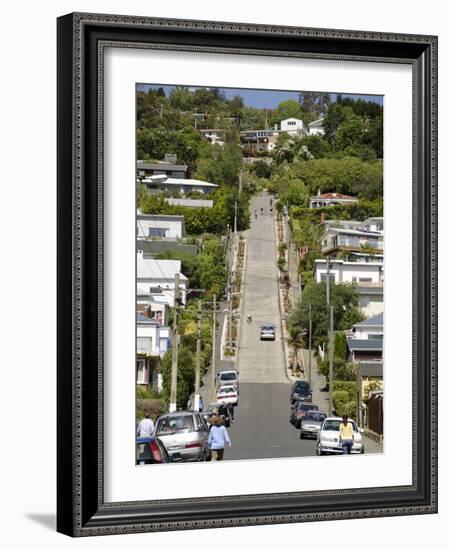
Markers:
{"x": 228, "y": 389}
{"x": 267, "y": 327}
{"x": 314, "y": 417}
{"x": 228, "y": 376}
{"x": 175, "y": 424}
{"x": 334, "y": 425}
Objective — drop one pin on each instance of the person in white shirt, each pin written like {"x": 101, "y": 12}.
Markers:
{"x": 145, "y": 428}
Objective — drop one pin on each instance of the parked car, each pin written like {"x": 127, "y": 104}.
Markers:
{"x": 267, "y": 332}
{"x": 184, "y": 434}
{"x": 299, "y": 410}
{"x": 228, "y": 394}
{"x": 311, "y": 423}
{"x": 300, "y": 391}
{"x": 228, "y": 378}
{"x": 151, "y": 450}
{"x": 328, "y": 440}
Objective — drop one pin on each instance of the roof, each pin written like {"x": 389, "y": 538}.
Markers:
{"x": 192, "y": 203}
{"x": 356, "y": 344}
{"x": 378, "y": 289}
{"x": 180, "y": 182}
{"x": 316, "y": 122}
{"x": 372, "y": 368}
{"x": 142, "y": 292}
{"x": 375, "y": 321}
{"x": 161, "y": 166}
{"x": 345, "y": 262}
{"x": 171, "y": 217}
{"x": 158, "y": 269}
{"x": 144, "y": 320}
{"x": 333, "y": 196}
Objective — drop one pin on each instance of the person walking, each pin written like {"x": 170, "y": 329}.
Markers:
{"x": 201, "y": 404}
{"x": 218, "y": 439}
{"x": 346, "y": 435}
{"x": 145, "y": 428}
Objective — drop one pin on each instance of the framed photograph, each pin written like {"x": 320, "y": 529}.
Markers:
{"x": 247, "y": 274}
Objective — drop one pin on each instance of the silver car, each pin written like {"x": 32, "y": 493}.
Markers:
{"x": 267, "y": 332}
{"x": 311, "y": 423}
{"x": 184, "y": 435}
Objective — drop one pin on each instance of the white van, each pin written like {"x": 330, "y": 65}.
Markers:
{"x": 228, "y": 378}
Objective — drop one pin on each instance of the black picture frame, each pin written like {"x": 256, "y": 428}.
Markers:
{"x": 81, "y": 510}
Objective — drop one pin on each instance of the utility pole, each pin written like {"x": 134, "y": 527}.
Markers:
{"x": 214, "y": 322}
{"x": 359, "y": 395}
{"x": 174, "y": 359}
{"x": 328, "y": 294}
{"x": 330, "y": 352}
{"x": 196, "y": 405}
{"x": 310, "y": 343}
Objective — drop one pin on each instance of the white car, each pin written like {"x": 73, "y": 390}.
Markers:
{"x": 228, "y": 394}
{"x": 328, "y": 439}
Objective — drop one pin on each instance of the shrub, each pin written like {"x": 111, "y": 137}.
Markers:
{"x": 153, "y": 407}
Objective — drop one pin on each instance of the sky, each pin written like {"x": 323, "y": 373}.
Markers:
{"x": 263, "y": 99}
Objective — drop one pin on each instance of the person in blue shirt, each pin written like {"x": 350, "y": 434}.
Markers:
{"x": 218, "y": 439}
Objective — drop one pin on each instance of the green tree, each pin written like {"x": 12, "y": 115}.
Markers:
{"x": 296, "y": 194}
{"x": 344, "y": 298}
{"x": 181, "y": 98}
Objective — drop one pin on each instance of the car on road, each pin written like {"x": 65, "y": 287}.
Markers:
{"x": 228, "y": 378}
{"x": 300, "y": 391}
{"x": 311, "y": 423}
{"x": 151, "y": 450}
{"x": 328, "y": 439}
{"x": 184, "y": 435}
{"x": 228, "y": 394}
{"x": 299, "y": 410}
{"x": 267, "y": 332}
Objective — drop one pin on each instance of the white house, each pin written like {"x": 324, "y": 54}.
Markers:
{"x": 164, "y": 184}
{"x": 365, "y": 342}
{"x": 152, "y": 338}
{"x": 216, "y": 136}
{"x": 372, "y": 328}
{"x": 371, "y": 298}
{"x": 152, "y": 305}
{"x": 161, "y": 226}
{"x": 342, "y": 237}
{"x": 153, "y": 341}
{"x": 294, "y": 127}
{"x": 259, "y": 140}
{"x": 342, "y": 271}
{"x": 157, "y": 277}
{"x": 330, "y": 199}
{"x": 316, "y": 127}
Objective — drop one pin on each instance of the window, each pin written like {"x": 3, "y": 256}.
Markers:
{"x": 323, "y": 277}
{"x": 144, "y": 344}
{"x": 157, "y": 231}
{"x": 365, "y": 279}
{"x": 141, "y": 371}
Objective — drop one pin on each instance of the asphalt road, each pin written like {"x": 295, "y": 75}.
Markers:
{"x": 262, "y": 428}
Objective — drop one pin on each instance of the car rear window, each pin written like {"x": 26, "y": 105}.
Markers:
{"x": 175, "y": 424}
{"x": 308, "y": 407}
{"x": 228, "y": 376}
{"x": 311, "y": 417}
